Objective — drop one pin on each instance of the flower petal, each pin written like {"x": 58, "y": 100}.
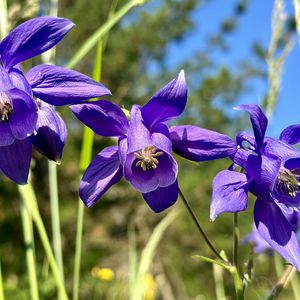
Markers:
{"x": 139, "y": 135}
{"x": 229, "y": 193}
{"x": 50, "y": 133}
{"x": 7, "y": 136}
{"x": 199, "y": 144}
{"x": 291, "y": 134}
{"x": 15, "y": 160}
{"x": 104, "y": 171}
{"x": 103, "y": 117}
{"x": 19, "y": 81}
{"x": 167, "y": 103}
{"x": 259, "y": 121}
{"x": 59, "y": 86}
{"x": 162, "y": 198}
{"x": 32, "y": 38}
{"x": 275, "y": 229}
{"x": 22, "y": 122}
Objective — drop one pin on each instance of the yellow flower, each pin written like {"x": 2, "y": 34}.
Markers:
{"x": 150, "y": 287}
{"x": 104, "y": 274}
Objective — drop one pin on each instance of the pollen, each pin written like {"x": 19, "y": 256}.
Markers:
{"x": 6, "y": 108}
{"x": 147, "y": 158}
{"x": 288, "y": 182}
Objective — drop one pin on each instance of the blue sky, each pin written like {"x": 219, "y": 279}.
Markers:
{"x": 255, "y": 25}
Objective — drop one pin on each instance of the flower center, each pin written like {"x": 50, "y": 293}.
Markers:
{"x": 147, "y": 158}
{"x": 6, "y": 108}
{"x": 288, "y": 182}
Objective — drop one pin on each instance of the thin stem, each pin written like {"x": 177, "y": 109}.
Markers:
{"x": 77, "y": 261}
{"x": 237, "y": 283}
{"x": 55, "y": 219}
{"x": 30, "y": 256}
{"x": 235, "y": 239}
{"x": 3, "y": 19}
{"x": 1, "y": 284}
{"x": 102, "y": 31}
{"x": 197, "y": 223}
{"x": 29, "y": 198}
{"x": 281, "y": 283}
{"x": 295, "y": 286}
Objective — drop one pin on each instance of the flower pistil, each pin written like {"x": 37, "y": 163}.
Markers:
{"x": 288, "y": 182}
{"x": 147, "y": 158}
{"x": 6, "y": 108}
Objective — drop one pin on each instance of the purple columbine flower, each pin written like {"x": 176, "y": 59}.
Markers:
{"x": 24, "y": 118}
{"x": 260, "y": 245}
{"x": 271, "y": 173}
{"x": 144, "y": 152}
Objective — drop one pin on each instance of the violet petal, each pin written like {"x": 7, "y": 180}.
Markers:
{"x": 199, "y": 144}
{"x": 103, "y": 117}
{"x": 59, "y": 86}
{"x": 291, "y": 134}
{"x": 104, "y": 171}
{"x": 50, "y": 133}
{"x": 259, "y": 121}
{"x": 229, "y": 193}
{"x": 32, "y": 38}
{"x": 275, "y": 229}
{"x": 168, "y": 103}
{"x": 15, "y": 160}
{"x": 22, "y": 122}
{"x": 162, "y": 198}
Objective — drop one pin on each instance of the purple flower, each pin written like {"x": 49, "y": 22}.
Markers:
{"x": 271, "y": 173}
{"x": 24, "y": 118}
{"x": 144, "y": 152}
{"x": 260, "y": 245}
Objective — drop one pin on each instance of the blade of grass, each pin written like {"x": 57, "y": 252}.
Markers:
{"x": 1, "y": 284}
{"x": 149, "y": 252}
{"x": 30, "y": 255}
{"x": 85, "y": 159}
{"x": 102, "y": 31}
{"x": 29, "y": 198}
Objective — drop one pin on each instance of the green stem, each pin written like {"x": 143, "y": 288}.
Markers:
{"x": 237, "y": 283}
{"x": 85, "y": 159}
{"x": 77, "y": 260}
{"x": 54, "y": 204}
{"x": 200, "y": 229}
{"x": 1, "y": 284}
{"x": 281, "y": 283}
{"x": 29, "y": 198}
{"x": 235, "y": 239}
{"x": 3, "y": 18}
{"x": 102, "y": 31}
{"x": 296, "y": 286}
{"x": 30, "y": 256}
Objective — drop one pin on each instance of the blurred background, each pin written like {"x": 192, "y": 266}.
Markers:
{"x": 232, "y": 52}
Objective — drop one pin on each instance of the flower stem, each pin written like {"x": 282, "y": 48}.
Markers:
{"x": 281, "y": 283}
{"x": 30, "y": 256}
{"x": 197, "y": 223}
{"x": 56, "y": 240}
{"x": 3, "y": 19}
{"x": 237, "y": 283}
{"x": 1, "y": 284}
{"x": 102, "y": 31}
{"x": 85, "y": 159}
{"x": 235, "y": 239}
{"x": 29, "y": 198}
{"x": 77, "y": 260}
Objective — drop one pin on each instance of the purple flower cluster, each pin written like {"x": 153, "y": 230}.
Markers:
{"x": 144, "y": 152}
{"x": 271, "y": 172}
{"x": 26, "y": 114}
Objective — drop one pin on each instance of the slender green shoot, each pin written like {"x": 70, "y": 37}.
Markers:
{"x": 102, "y": 31}
{"x": 1, "y": 284}
{"x": 3, "y": 19}
{"x": 29, "y": 198}
{"x": 30, "y": 255}
{"x": 149, "y": 252}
